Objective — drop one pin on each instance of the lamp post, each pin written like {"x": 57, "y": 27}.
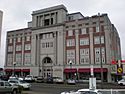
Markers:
{"x": 70, "y": 62}
{"x": 101, "y": 66}
{"x": 14, "y": 64}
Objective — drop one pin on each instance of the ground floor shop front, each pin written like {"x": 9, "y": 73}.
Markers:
{"x": 82, "y": 74}
{"x": 85, "y": 73}
{"x": 17, "y": 72}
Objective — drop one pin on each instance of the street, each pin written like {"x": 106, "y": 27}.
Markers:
{"x": 43, "y": 88}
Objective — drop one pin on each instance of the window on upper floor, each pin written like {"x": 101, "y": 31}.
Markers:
{"x": 70, "y": 33}
{"x": 70, "y": 42}
{"x": 9, "y": 59}
{"x": 27, "y": 46}
{"x": 84, "y": 55}
{"x": 83, "y": 31}
{"x": 10, "y": 48}
{"x": 84, "y": 51}
{"x": 51, "y": 20}
{"x": 97, "y": 29}
{"x": 96, "y": 40}
{"x": 18, "y": 47}
{"x": 18, "y": 59}
{"x": 84, "y": 41}
{"x": 27, "y": 59}
{"x": 70, "y": 56}
{"x": 19, "y": 39}
{"x": 97, "y": 51}
{"x": 10, "y": 40}
{"x": 28, "y": 38}
{"x": 102, "y": 40}
{"x": 46, "y": 22}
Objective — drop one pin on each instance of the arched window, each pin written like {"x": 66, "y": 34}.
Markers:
{"x": 47, "y": 60}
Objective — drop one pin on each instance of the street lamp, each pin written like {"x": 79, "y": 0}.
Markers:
{"x": 70, "y": 62}
{"x": 14, "y": 64}
{"x": 101, "y": 66}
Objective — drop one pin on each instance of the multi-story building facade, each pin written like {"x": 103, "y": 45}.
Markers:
{"x": 64, "y": 45}
{"x": 1, "y": 17}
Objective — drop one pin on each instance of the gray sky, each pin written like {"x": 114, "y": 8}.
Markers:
{"x": 18, "y": 12}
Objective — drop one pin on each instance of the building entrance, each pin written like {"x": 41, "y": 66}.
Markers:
{"x": 47, "y": 67}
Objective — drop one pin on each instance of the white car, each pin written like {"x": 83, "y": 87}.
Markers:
{"x": 83, "y": 91}
{"x": 22, "y": 83}
{"x": 121, "y": 82}
{"x": 29, "y": 78}
{"x": 71, "y": 81}
{"x": 58, "y": 80}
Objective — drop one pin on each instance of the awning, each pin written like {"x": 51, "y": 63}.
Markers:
{"x": 25, "y": 70}
{"x": 68, "y": 70}
{"x": 80, "y": 70}
{"x": 99, "y": 70}
{"x": 84, "y": 70}
{"x": 8, "y": 70}
{"x": 17, "y": 70}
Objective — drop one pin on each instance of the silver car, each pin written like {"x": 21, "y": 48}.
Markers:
{"x": 6, "y": 87}
{"x": 22, "y": 83}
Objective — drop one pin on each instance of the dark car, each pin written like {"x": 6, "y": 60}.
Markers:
{"x": 39, "y": 79}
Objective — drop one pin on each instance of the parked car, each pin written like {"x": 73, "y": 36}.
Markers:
{"x": 58, "y": 80}
{"x": 39, "y": 79}
{"x": 22, "y": 83}
{"x": 29, "y": 78}
{"x": 12, "y": 78}
{"x": 6, "y": 87}
{"x": 121, "y": 82}
{"x": 71, "y": 81}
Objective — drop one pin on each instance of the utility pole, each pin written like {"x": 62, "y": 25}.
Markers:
{"x": 101, "y": 66}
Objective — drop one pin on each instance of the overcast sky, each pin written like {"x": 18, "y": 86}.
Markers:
{"x": 18, "y": 12}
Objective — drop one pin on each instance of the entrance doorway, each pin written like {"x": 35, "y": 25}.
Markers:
{"x": 47, "y": 67}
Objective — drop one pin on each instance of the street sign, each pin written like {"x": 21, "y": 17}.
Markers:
{"x": 119, "y": 67}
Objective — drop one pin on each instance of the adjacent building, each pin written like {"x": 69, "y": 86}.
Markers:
{"x": 1, "y": 17}
{"x": 60, "y": 44}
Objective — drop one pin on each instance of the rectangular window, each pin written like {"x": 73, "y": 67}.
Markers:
{"x": 97, "y": 40}
{"x": 70, "y": 33}
{"x": 97, "y": 28}
{"x": 18, "y": 59}
{"x": 83, "y": 31}
{"x": 46, "y": 22}
{"x": 10, "y": 48}
{"x": 27, "y": 38}
{"x": 97, "y": 55}
{"x": 84, "y": 56}
{"x": 71, "y": 56}
{"x": 18, "y": 47}
{"x": 9, "y": 59}
{"x": 103, "y": 54}
{"x": 18, "y": 39}
{"x": 27, "y": 59}
{"x": 51, "y": 20}
{"x": 10, "y": 40}
{"x": 102, "y": 40}
{"x": 70, "y": 42}
{"x": 84, "y": 41}
{"x": 27, "y": 46}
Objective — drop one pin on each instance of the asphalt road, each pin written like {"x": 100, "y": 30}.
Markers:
{"x": 43, "y": 88}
